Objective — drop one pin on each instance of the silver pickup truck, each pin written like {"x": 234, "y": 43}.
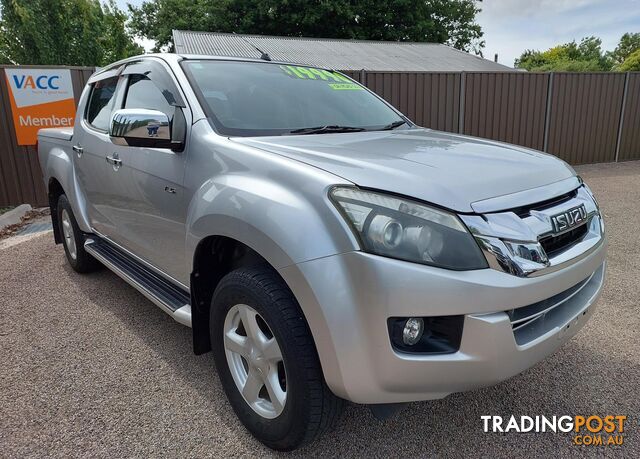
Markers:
{"x": 320, "y": 244}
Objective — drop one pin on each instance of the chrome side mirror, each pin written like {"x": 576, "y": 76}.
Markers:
{"x": 139, "y": 127}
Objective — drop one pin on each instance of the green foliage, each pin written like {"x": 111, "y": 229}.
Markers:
{"x": 629, "y": 43}
{"x": 117, "y": 43}
{"x": 587, "y": 56}
{"x": 631, "y": 63}
{"x": 63, "y": 32}
{"x": 443, "y": 21}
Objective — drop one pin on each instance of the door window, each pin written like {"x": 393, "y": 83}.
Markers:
{"x": 143, "y": 93}
{"x": 101, "y": 103}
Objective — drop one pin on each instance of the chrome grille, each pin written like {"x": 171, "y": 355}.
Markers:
{"x": 554, "y": 245}
{"x": 526, "y": 241}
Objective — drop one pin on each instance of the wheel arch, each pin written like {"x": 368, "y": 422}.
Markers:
{"x": 214, "y": 257}
{"x": 217, "y": 255}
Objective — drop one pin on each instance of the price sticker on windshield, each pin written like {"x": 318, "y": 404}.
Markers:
{"x": 335, "y": 80}
{"x": 344, "y": 86}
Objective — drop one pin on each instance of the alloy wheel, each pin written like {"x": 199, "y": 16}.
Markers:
{"x": 255, "y": 361}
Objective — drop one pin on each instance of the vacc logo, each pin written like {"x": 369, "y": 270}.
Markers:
{"x": 39, "y": 82}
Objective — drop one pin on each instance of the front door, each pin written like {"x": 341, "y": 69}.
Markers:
{"x": 150, "y": 207}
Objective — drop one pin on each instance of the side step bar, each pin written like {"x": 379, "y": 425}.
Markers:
{"x": 172, "y": 299}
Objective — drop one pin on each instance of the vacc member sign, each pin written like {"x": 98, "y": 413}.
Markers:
{"x": 40, "y": 98}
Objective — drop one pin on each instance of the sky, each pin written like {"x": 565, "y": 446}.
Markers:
{"x": 511, "y": 26}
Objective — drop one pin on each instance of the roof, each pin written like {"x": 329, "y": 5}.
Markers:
{"x": 336, "y": 53}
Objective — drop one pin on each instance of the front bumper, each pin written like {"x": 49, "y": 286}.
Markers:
{"x": 347, "y": 299}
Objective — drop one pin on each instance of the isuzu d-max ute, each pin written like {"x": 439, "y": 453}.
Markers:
{"x": 320, "y": 244}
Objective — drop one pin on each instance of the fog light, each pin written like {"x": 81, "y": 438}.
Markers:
{"x": 426, "y": 335}
{"x": 413, "y": 329}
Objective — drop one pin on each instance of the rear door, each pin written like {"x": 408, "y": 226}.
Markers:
{"x": 150, "y": 206}
{"x": 90, "y": 146}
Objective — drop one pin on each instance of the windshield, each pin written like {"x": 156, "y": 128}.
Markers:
{"x": 254, "y": 99}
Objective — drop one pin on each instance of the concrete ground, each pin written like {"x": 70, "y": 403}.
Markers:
{"x": 89, "y": 367}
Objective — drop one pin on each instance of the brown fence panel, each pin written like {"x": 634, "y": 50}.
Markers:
{"x": 9, "y": 189}
{"x": 630, "y": 135}
{"x": 20, "y": 175}
{"x": 506, "y": 106}
{"x": 429, "y": 99}
{"x": 584, "y": 116}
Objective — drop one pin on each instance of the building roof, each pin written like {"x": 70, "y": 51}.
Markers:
{"x": 336, "y": 53}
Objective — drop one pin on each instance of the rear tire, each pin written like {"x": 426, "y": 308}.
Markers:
{"x": 73, "y": 239}
{"x": 309, "y": 407}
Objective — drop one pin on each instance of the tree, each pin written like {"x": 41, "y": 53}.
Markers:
{"x": 63, "y": 32}
{"x": 117, "y": 43}
{"x": 631, "y": 63}
{"x": 586, "y": 56}
{"x": 442, "y": 21}
{"x": 629, "y": 43}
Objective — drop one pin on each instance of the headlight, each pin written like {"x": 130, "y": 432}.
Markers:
{"x": 399, "y": 228}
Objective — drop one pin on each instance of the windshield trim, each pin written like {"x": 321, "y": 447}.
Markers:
{"x": 225, "y": 131}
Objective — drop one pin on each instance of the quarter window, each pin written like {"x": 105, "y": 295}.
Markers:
{"x": 101, "y": 103}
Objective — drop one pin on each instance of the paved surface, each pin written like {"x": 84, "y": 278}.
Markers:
{"x": 13, "y": 216}
{"x": 36, "y": 227}
{"x": 89, "y": 367}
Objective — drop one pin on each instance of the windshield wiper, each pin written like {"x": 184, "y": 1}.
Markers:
{"x": 330, "y": 129}
{"x": 393, "y": 125}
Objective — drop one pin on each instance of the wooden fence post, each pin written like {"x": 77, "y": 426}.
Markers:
{"x": 621, "y": 123}
{"x": 547, "y": 113}
{"x": 463, "y": 82}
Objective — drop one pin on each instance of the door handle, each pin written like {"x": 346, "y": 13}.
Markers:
{"x": 78, "y": 149}
{"x": 115, "y": 161}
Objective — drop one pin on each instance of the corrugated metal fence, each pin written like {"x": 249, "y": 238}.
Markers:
{"x": 579, "y": 117}
{"x": 20, "y": 176}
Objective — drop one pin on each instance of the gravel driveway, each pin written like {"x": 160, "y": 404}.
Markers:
{"x": 89, "y": 367}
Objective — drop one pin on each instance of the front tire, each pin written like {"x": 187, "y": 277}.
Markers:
{"x": 267, "y": 361}
{"x": 73, "y": 239}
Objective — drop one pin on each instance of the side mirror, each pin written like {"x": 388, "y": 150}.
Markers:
{"x": 137, "y": 127}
